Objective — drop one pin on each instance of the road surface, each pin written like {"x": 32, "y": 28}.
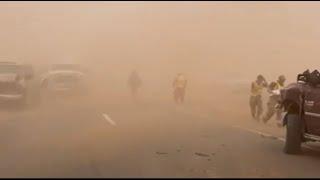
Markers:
{"x": 149, "y": 139}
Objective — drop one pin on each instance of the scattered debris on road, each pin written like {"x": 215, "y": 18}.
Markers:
{"x": 202, "y": 154}
{"x": 161, "y": 153}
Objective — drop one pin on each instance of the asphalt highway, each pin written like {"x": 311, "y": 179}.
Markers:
{"x": 66, "y": 138}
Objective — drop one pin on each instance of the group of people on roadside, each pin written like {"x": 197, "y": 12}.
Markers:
{"x": 179, "y": 86}
{"x": 256, "y": 103}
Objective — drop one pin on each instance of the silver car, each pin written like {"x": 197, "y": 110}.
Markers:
{"x": 60, "y": 82}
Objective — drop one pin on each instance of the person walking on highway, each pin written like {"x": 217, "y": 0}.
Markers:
{"x": 274, "y": 91}
{"x": 281, "y": 80}
{"x": 179, "y": 85}
{"x": 134, "y": 83}
{"x": 256, "y": 97}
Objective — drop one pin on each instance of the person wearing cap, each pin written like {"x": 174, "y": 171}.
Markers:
{"x": 256, "y": 96}
{"x": 280, "y": 82}
{"x": 274, "y": 91}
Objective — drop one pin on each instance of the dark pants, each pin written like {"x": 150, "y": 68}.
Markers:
{"x": 273, "y": 100}
{"x": 256, "y": 106}
{"x": 134, "y": 92}
{"x": 179, "y": 94}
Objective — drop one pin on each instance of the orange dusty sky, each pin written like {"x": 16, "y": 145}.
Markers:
{"x": 202, "y": 39}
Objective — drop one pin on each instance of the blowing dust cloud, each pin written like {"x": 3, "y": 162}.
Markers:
{"x": 149, "y": 77}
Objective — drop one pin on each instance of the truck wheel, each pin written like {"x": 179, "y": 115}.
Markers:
{"x": 294, "y": 134}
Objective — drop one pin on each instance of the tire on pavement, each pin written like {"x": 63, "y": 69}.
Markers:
{"x": 293, "y": 135}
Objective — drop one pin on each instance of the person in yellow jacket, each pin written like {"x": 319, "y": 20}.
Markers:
{"x": 280, "y": 82}
{"x": 256, "y": 96}
{"x": 274, "y": 91}
{"x": 179, "y": 85}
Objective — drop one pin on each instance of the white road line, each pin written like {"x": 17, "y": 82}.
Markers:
{"x": 260, "y": 133}
{"x": 269, "y": 135}
{"x": 109, "y": 119}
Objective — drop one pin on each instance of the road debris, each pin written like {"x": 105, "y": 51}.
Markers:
{"x": 161, "y": 153}
{"x": 201, "y": 154}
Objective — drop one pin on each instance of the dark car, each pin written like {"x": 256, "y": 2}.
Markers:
{"x": 301, "y": 101}
{"x": 13, "y": 81}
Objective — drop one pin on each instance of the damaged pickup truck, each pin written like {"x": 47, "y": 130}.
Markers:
{"x": 301, "y": 101}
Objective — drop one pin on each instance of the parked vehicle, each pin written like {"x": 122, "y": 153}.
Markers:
{"x": 13, "y": 81}
{"x": 301, "y": 101}
{"x": 63, "y": 79}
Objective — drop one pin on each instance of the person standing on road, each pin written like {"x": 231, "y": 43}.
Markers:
{"x": 281, "y": 80}
{"x": 134, "y": 83}
{"x": 274, "y": 98}
{"x": 256, "y": 97}
{"x": 179, "y": 85}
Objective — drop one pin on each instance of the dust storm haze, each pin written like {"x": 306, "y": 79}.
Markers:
{"x": 220, "y": 47}
{"x": 209, "y": 41}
